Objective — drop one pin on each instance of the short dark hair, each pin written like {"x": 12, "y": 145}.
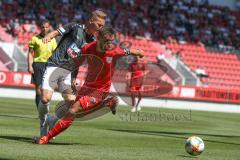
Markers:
{"x": 41, "y": 22}
{"x": 107, "y": 30}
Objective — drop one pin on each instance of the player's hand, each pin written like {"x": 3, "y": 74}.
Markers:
{"x": 137, "y": 52}
{"x": 128, "y": 76}
{"x": 47, "y": 39}
{"x": 30, "y": 70}
{"x": 140, "y": 53}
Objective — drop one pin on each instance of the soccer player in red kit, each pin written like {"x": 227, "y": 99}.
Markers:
{"x": 101, "y": 58}
{"x": 137, "y": 69}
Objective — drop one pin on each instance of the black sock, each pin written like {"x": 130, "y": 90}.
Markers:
{"x": 37, "y": 99}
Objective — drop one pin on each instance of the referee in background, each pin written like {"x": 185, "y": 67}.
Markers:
{"x": 38, "y": 55}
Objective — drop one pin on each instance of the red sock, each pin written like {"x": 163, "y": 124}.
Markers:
{"x": 63, "y": 124}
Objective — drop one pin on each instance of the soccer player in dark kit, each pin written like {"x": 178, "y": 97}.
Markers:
{"x": 61, "y": 70}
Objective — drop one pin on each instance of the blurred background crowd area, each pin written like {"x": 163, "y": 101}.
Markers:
{"x": 161, "y": 20}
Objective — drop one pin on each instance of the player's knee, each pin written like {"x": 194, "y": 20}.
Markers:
{"x": 76, "y": 107}
{"x": 69, "y": 97}
{"x": 38, "y": 91}
{"x": 46, "y": 96}
{"x": 45, "y": 99}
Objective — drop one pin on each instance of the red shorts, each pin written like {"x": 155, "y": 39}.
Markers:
{"x": 135, "y": 88}
{"x": 88, "y": 102}
{"x": 136, "y": 82}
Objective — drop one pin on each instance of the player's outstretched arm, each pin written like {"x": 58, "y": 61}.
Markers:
{"x": 60, "y": 31}
{"x": 50, "y": 36}
{"x": 137, "y": 52}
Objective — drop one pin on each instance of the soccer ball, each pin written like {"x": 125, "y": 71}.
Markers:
{"x": 194, "y": 146}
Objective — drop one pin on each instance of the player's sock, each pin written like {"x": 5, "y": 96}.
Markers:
{"x": 133, "y": 109}
{"x": 111, "y": 101}
{"x": 43, "y": 110}
{"x": 133, "y": 100}
{"x": 61, "y": 125}
{"x": 137, "y": 106}
{"x": 52, "y": 120}
{"x": 37, "y": 99}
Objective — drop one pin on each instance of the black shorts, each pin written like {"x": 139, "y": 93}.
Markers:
{"x": 39, "y": 69}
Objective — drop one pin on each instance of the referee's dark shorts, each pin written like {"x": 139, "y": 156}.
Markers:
{"x": 38, "y": 69}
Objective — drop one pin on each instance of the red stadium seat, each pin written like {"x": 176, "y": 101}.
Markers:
{"x": 223, "y": 69}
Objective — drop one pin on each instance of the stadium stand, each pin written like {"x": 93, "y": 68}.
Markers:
{"x": 191, "y": 21}
{"x": 3, "y": 67}
{"x": 193, "y": 25}
{"x": 5, "y": 37}
{"x": 6, "y": 63}
{"x": 222, "y": 68}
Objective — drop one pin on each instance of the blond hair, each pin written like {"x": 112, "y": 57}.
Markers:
{"x": 98, "y": 14}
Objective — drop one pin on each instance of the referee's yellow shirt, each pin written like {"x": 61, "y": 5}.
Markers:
{"x": 42, "y": 51}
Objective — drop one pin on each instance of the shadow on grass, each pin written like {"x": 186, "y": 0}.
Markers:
{"x": 30, "y": 140}
{"x": 6, "y": 159}
{"x": 187, "y": 156}
{"x": 17, "y": 138}
{"x": 18, "y": 116}
{"x": 179, "y": 135}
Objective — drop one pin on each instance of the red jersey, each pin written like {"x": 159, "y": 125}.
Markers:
{"x": 137, "y": 70}
{"x": 100, "y": 66}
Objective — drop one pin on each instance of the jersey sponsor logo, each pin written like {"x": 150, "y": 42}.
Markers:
{"x": 92, "y": 100}
{"x": 109, "y": 59}
{"x": 73, "y": 50}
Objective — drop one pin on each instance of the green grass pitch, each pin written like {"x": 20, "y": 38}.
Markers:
{"x": 153, "y": 134}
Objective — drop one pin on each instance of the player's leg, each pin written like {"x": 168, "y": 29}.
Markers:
{"x": 133, "y": 97}
{"x": 69, "y": 98}
{"x": 43, "y": 110}
{"x": 39, "y": 69}
{"x": 81, "y": 107}
{"x": 62, "y": 124}
{"x": 49, "y": 83}
{"x": 65, "y": 87}
{"x": 38, "y": 95}
{"x": 68, "y": 95}
{"x": 111, "y": 101}
{"x": 139, "y": 99}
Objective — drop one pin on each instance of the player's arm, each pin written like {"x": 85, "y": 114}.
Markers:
{"x": 50, "y": 36}
{"x": 136, "y": 52}
{"x": 78, "y": 62}
{"x": 31, "y": 52}
{"x": 128, "y": 78}
{"x": 60, "y": 31}
{"x": 30, "y": 60}
{"x": 129, "y": 75}
{"x": 74, "y": 78}
{"x": 126, "y": 51}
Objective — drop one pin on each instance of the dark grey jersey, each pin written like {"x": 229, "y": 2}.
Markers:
{"x": 73, "y": 39}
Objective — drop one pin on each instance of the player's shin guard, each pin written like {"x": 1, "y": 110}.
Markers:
{"x": 52, "y": 120}
{"x": 61, "y": 125}
{"x": 43, "y": 110}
